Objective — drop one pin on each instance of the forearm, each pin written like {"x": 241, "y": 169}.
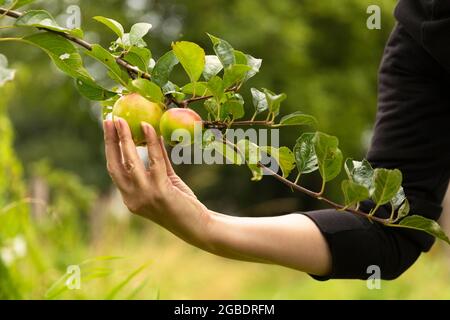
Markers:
{"x": 292, "y": 240}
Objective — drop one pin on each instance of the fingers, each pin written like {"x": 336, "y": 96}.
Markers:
{"x": 131, "y": 161}
{"x": 157, "y": 166}
{"x": 113, "y": 153}
{"x": 169, "y": 168}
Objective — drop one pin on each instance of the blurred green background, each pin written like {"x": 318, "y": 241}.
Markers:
{"x": 57, "y": 204}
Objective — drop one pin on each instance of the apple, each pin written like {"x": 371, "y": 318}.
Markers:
{"x": 134, "y": 109}
{"x": 179, "y": 118}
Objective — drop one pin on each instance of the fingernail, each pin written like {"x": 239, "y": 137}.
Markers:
{"x": 118, "y": 124}
{"x": 107, "y": 124}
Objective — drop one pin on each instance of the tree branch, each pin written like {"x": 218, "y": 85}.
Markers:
{"x": 82, "y": 43}
{"x": 318, "y": 196}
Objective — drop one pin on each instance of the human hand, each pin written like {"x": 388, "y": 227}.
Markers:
{"x": 157, "y": 192}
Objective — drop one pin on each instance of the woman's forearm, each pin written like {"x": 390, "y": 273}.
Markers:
{"x": 292, "y": 240}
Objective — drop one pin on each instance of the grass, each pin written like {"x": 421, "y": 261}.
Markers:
{"x": 179, "y": 271}
{"x": 150, "y": 263}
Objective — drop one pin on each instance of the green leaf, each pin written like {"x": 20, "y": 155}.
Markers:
{"x": 353, "y": 192}
{"x": 139, "y": 57}
{"x": 163, "y": 68}
{"x": 170, "y": 87}
{"x": 297, "y": 119}
{"x": 398, "y": 199}
{"x": 191, "y": 57}
{"x": 66, "y": 57}
{"x": 233, "y": 108}
{"x": 174, "y": 91}
{"x": 274, "y": 101}
{"x": 217, "y": 88}
{"x": 283, "y": 156}
{"x": 112, "y": 24}
{"x": 43, "y": 19}
{"x": 235, "y": 74}
{"x": 107, "y": 106}
{"x": 212, "y": 106}
{"x": 125, "y": 42}
{"x": 259, "y": 101}
{"x": 138, "y": 31}
{"x": 329, "y": 156}
{"x": 403, "y": 211}
{"x": 62, "y": 52}
{"x": 252, "y": 155}
{"x": 148, "y": 89}
{"x": 423, "y": 224}
{"x": 386, "y": 184}
{"x": 224, "y": 51}
{"x": 212, "y": 67}
{"x": 305, "y": 156}
{"x": 360, "y": 172}
{"x": 93, "y": 91}
{"x": 240, "y": 57}
{"x": 5, "y": 73}
{"x": 254, "y": 64}
{"x": 109, "y": 61}
{"x": 198, "y": 89}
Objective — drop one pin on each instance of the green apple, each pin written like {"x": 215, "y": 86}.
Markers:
{"x": 179, "y": 118}
{"x": 134, "y": 109}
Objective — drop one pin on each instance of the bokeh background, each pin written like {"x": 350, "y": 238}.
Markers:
{"x": 57, "y": 204}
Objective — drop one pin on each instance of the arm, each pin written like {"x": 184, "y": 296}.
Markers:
{"x": 158, "y": 194}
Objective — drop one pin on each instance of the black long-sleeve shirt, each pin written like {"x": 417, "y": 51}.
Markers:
{"x": 411, "y": 133}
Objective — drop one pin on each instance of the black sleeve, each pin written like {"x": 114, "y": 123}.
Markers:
{"x": 411, "y": 133}
{"x": 428, "y": 22}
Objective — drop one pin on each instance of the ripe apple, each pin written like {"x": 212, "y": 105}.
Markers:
{"x": 134, "y": 109}
{"x": 179, "y": 118}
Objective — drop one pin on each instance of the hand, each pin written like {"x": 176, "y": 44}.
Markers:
{"x": 156, "y": 193}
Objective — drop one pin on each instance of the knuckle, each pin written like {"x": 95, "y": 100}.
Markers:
{"x": 156, "y": 160}
{"x": 152, "y": 143}
{"x": 129, "y": 165}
